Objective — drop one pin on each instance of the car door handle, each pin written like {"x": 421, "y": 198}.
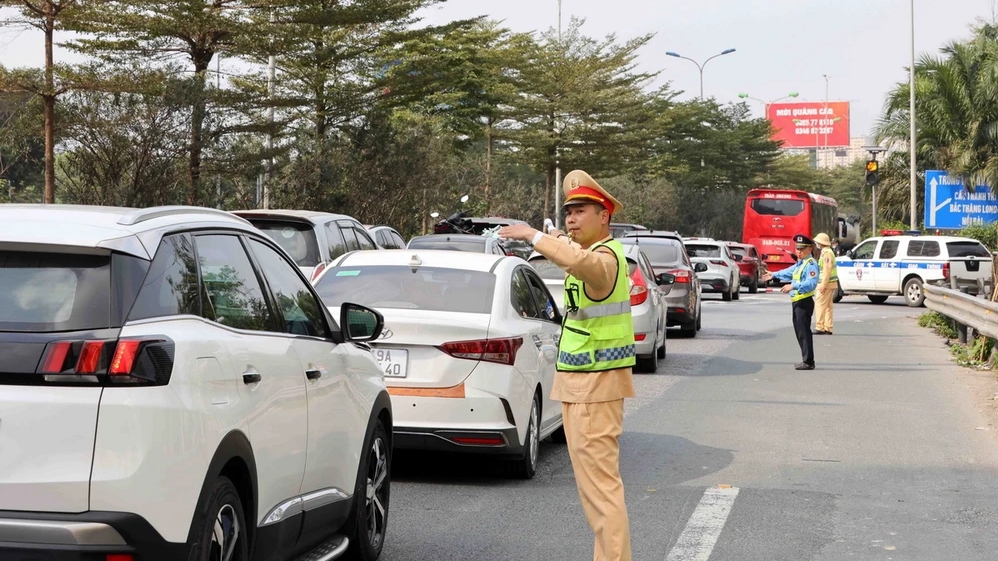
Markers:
{"x": 313, "y": 373}
{"x": 251, "y": 377}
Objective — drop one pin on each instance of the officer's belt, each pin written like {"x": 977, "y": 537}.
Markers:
{"x": 601, "y": 310}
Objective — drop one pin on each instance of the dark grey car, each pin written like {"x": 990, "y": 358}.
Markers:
{"x": 667, "y": 254}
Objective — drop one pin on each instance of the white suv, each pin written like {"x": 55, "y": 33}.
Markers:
{"x": 171, "y": 387}
{"x": 900, "y": 265}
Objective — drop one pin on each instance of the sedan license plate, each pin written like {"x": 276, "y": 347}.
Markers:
{"x": 394, "y": 362}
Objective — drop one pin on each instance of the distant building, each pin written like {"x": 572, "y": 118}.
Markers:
{"x": 826, "y": 158}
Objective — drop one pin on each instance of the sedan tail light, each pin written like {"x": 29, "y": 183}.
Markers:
{"x": 719, "y": 262}
{"x": 144, "y": 361}
{"x": 639, "y": 288}
{"x": 318, "y": 270}
{"x": 499, "y": 351}
{"x": 682, "y": 276}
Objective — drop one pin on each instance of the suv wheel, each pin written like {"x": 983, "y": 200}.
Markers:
{"x": 369, "y": 519}
{"x": 753, "y": 287}
{"x": 914, "y": 296}
{"x": 221, "y": 531}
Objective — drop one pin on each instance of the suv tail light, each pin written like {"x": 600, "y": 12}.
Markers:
{"x": 142, "y": 361}
{"x": 639, "y": 290}
{"x": 945, "y": 271}
{"x": 318, "y": 270}
{"x": 500, "y": 351}
{"x": 719, "y": 262}
{"x": 682, "y": 276}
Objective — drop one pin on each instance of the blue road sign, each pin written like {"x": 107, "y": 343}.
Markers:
{"x": 950, "y": 206}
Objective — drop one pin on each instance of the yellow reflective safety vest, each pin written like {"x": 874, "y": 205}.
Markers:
{"x": 598, "y": 336}
{"x": 798, "y": 272}
{"x": 834, "y": 276}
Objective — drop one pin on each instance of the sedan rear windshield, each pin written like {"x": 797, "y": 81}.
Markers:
{"x": 967, "y": 249}
{"x": 296, "y": 238}
{"x": 547, "y": 269}
{"x": 393, "y": 286}
{"x": 47, "y": 292}
{"x": 694, "y": 250}
{"x": 659, "y": 251}
{"x": 466, "y": 244}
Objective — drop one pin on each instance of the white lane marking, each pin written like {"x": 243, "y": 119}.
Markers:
{"x": 704, "y": 527}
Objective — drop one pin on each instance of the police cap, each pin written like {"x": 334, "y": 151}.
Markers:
{"x": 800, "y": 240}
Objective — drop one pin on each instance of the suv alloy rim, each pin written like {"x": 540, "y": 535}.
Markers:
{"x": 376, "y": 478}
{"x": 225, "y": 535}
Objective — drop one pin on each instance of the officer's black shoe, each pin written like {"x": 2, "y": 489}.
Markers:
{"x": 804, "y": 366}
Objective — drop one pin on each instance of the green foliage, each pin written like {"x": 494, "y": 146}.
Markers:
{"x": 939, "y": 323}
{"x": 975, "y": 355}
{"x": 987, "y": 234}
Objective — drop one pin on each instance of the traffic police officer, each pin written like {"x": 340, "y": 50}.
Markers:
{"x": 803, "y": 279}
{"x": 828, "y": 285}
{"x": 595, "y": 354}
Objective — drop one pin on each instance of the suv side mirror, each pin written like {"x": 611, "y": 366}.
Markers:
{"x": 699, "y": 267}
{"x": 665, "y": 279}
{"x": 359, "y": 323}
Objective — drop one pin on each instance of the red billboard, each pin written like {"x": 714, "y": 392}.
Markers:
{"x": 810, "y": 124}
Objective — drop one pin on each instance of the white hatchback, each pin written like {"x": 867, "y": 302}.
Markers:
{"x": 469, "y": 348}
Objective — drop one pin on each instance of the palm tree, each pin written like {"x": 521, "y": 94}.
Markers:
{"x": 956, "y": 103}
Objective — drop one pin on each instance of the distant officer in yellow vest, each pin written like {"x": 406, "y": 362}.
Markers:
{"x": 595, "y": 354}
{"x": 828, "y": 285}
{"x": 803, "y": 279}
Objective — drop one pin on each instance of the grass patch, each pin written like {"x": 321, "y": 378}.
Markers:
{"x": 942, "y": 325}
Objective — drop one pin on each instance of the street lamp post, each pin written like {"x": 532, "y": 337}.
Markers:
{"x": 700, "y": 66}
{"x": 557, "y": 160}
{"x": 765, "y": 105}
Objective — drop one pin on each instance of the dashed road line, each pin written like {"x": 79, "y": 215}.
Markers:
{"x": 704, "y": 527}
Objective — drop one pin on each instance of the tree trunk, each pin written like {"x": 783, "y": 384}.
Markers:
{"x": 197, "y": 131}
{"x": 488, "y": 166}
{"x": 49, "y": 106}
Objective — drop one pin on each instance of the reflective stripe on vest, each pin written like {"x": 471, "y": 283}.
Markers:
{"x": 601, "y": 310}
{"x": 794, "y": 295}
{"x": 598, "y": 335}
{"x": 834, "y": 277}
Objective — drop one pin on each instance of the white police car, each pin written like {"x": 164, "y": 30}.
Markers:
{"x": 890, "y": 265}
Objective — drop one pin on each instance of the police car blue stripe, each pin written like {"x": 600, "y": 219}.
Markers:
{"x": 889, "y": 265}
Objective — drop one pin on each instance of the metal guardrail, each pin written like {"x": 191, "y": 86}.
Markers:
{"x": 976, "y": 312}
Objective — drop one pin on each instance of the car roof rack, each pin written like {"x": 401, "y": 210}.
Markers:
{"x": 150, "y": 213}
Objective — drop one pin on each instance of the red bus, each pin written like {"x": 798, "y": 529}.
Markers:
{"x": 774, "y": 216}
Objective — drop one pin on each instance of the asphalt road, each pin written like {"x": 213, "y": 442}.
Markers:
{"x": 729, "y": 454}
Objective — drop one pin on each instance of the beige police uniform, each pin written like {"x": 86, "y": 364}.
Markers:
{"x": 593, "y": 402}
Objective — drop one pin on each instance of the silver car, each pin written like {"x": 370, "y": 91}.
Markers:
{"x": 648, "y": 305}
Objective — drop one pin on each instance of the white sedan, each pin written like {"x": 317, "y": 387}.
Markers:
{"x": 469, "y": 348}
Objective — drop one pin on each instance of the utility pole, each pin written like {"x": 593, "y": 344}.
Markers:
{"x": 911, "y": 118}
{"x": 557, "y": 162}
{"x": 824, "y": 150}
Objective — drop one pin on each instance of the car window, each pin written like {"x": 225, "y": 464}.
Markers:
{"x": 398, "y": 287}
{"x": 542, "y": 297}
{"x": 399, "y": 242}
{"x": 349, "y": 236}
{"x": 233, "y": 296}
{"x": 923, "y": 248}
{"x": 296, "y": 238}
{"x": 865, "y": 250}
{"x": 659, "y": 250}
{"x": 44, "y": 292}
{"x": 474, "y": 244}
{"x": 646, "y": 268}
{"x": 967, "y": 249}
{"x": 546, "y": 269}
{"x": 889, "y": 249}
{"x": 301, "y": 311}
{"x": 700, "y": 250}
{"x": 337, "y": 245}
{"x": 171, "y": 286}
{"x": 738, "y": 251}
{"x": 521, "y": 298}
{"x": 363, "y": 238}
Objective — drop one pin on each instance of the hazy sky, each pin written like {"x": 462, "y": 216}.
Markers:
{"x": 782, "y": 46}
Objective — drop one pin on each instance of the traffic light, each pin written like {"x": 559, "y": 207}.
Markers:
{"x": 872, "y": 172}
